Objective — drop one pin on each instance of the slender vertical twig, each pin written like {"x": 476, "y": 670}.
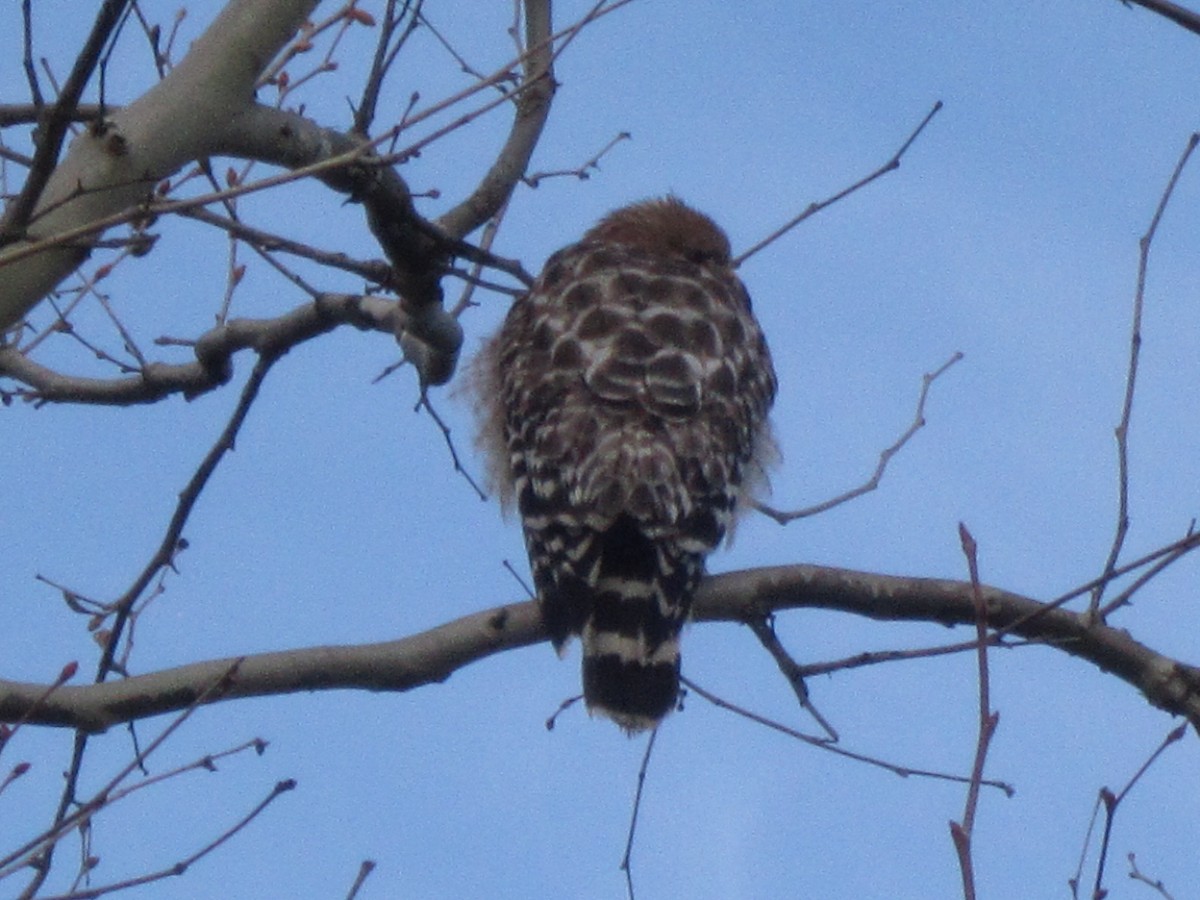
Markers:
{"x": 626, "y": 865}
{"x": 961, "y": 832}
{"x": 1135, "y": 346}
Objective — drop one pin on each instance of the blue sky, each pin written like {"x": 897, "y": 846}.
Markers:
{"x": 1009, "y": 233}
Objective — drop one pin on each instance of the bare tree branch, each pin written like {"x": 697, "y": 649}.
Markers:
{"x": 627, "y": 858}
{"x": 813, "y": 208}
{"x": 53, "y": 128}
{"x": 214, "y": 354}
{"x": 963, "y": 831}
{"x": 113, "y": 165}
{"x": 181, "y": 866}
{"x": 23, "y": 113}
{"x": 39, "y": 851}
{"x": 1111, "y": 802}
{"x": 1181, "y": 16}
{"x": 365, "y": 868}
{"x": 1135, "y": 346}
{"x": 581, "y": 172}
{"x": 386, "y": 49}
{"x": 885, "y": 457}
{"x": 828, "y": 746}
{"x": 532, "y": 110}
{"x": 1137, "y": 875}
{"x": 432, "y": 656}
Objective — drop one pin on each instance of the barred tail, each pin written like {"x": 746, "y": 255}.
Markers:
{"x": 628, "y": 682}
{"x": 641, "y": 594}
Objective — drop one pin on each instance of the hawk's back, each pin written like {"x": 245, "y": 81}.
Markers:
{"x": 628, "y": 395}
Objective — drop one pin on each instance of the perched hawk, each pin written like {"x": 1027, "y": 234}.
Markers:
{"x": 625, "y": 401}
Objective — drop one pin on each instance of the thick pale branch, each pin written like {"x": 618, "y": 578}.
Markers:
{"x": 205, "y": 107}
{"x": 424, "y": 658}
{"x": 434, "y": 655}
{"x": 113, "y": 165}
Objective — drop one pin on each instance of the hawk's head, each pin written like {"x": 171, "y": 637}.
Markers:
{"x": 665, "y": 227}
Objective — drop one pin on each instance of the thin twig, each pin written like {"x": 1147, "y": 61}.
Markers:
{"x": 365, "y": 868}
{"x": 1135, "y": 344}
{"x": 1141, "y": 581}
{"x": 1075, "y": 880}
{"x": 529, "y": 592}
{"x": 458, "y": 58}
{"x": 43, "y": 845}
{"x": 153, "y": 35}
{"x": 1137, "y": 875}
{"x": 961, "y": 832}
{"x": 188, "y": 497}
{"x": 626, "y": 859}
{"x": 472, "y": 277}
{"x": 207, "y": 763}
{"x": 814, "y": 208}
{"x": 582, "y": 172}
{"x": 552, "y": 720}
{"x": 764, "y": 629}
{"x": 1112, "y": 801}
{"x": 902, "y": 771}
{"x": 424, "y": 403}
{"x": 302, "y": 43}
{"x": 885, "y": 457}
{"x": 123, "y": 608}
{"x": 1172, "y": 552}
{"x": 385, "y": 54}
{"x": 180, "y": 867}
{"x": 878, "y": 657}
{"x": 35, "y": 90}
{"x": 14, "y": 773}
{"x": 80, "y": 232}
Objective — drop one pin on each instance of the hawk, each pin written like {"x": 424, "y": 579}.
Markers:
{"x": 625, "y": 403}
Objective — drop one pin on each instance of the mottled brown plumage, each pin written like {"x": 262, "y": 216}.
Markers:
{"x": 626, "y": 399}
